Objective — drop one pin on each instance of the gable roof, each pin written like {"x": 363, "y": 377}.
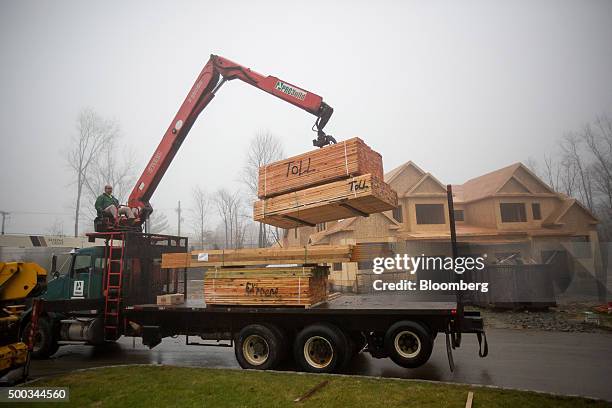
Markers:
{"x": 516, "y": 184}
{"x": 491, "y": 183}
{"x": 555, "y": 217}
{"x": 347, "y": 225}
{"x": 393, "y": 174}
{"x": 422, "y": 181}
{"x": 344, "y": 225}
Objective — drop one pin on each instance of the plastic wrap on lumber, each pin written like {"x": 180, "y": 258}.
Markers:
{"x": 259, "y": 256}
{"x": 345, "y": 159}
{"x": 356, "y": 196}
{"x": 283, "y": 286}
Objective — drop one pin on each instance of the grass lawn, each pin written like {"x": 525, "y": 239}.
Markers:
{"x": 152, "y": 386}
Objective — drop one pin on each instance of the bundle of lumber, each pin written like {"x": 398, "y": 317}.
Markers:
{"x": 356, "y": 196}
{"x": 171, "y": 299}
{"x": 339, "y": 161}
{"x": 259, "y": 256}
{"x": 276, "y": 286}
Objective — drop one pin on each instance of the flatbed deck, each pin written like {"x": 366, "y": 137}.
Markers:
{"x": 345, "y": 304}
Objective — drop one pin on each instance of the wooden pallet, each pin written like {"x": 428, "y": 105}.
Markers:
{"x": 357, "y": 196}
{"x": 281, "y": 286}
{"x": 259, "y": 256}
{"x": 343, "y": 160}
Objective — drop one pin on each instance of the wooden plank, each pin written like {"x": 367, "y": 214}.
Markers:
{"x": 343, "y": 160}
{"x": 470, "y": 399}
{"x": 333, "y": 201}
{"x": 285, "y": 286}
{"x": 259, "y": 256}
{"x": 312, "y": 391}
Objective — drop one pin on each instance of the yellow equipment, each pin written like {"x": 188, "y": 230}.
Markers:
{"x": 18, "y": 281}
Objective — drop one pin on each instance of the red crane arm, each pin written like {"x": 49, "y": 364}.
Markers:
{"x": 216, "y": 71}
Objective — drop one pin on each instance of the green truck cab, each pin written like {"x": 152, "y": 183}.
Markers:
{"x": 81, "y": 279}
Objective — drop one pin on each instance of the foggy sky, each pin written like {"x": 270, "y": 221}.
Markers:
{"x": 460, "y": 88}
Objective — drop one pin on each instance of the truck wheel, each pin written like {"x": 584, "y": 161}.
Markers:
{"x": 258, "y": 347}
{"x": 321, "y": 348}
{"x": 44, "y": 343}
{"x": 408, "y": 344}
{"x": 283, "y": 342}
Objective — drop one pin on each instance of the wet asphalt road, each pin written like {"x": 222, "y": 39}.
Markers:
{"x": 564, "y": 363}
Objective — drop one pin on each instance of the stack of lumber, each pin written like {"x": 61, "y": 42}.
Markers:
{"x": 259, "y": 256}
{"x": 171, "y": 299}
{"x": 356, "y": 196}
{"x": 277, "y": 286}
{"x": 370, "y": 250}
{"x": 339, "y": 161}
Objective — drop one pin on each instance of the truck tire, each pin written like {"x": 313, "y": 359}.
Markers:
{"x": 283, "y": 342}
{"x": 408, "y": 344}
{"x": 258, "y": 347}
{"x": 321, "y": 348}
{"x": 44, "y": 343}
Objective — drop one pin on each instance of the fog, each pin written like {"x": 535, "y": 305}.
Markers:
{"x": 460, "y": 88}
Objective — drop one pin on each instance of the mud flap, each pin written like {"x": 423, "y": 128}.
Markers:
{"x": 151, "y": 336}
{"x": 449, "y": 352}
{"x": 483, "y": 346}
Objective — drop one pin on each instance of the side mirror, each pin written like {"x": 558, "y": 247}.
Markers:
{"x": 54, "y": 271}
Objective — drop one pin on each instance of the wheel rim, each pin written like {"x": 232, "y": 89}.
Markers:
{"x": 318, "y": 352}
{"x": 407, "y": 344}
{"x": 255, "y": 350}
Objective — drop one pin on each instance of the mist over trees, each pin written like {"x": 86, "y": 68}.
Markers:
{"x": 95, "y": 159}
{"x": 264, "y": 148}
{"x": 582, "y": 168}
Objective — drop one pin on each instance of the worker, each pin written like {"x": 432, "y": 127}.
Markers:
{"x": 106, "y": 203}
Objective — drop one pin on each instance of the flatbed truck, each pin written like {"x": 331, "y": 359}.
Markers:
{"x": 78, "y": 306}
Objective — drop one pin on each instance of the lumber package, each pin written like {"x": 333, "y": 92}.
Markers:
{"x": 357, "y": 196}
{"x": 171, "y": 299}
{"x": 259, "y": 256}
{"x": 274, "y": 286}
{"x": 339, "y": 161}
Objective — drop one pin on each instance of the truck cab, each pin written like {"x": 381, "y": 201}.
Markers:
{"x": 86, "y": 299}
{"x": 80, "y": 278}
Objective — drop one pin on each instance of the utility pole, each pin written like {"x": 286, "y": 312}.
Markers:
{"x": 4, "y": 214}
{"x": 178, "y": 210}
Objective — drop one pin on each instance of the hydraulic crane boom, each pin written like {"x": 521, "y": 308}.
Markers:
{"x": 216, "y": 71}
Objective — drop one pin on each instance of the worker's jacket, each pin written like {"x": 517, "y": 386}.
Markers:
{"x": 104, "y": 200}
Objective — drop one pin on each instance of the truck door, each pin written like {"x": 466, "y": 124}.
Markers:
{"x": 81, "y": 276}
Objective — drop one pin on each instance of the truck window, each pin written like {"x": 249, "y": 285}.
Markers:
{"x": 99, "y": 264}
{"x": 82, "y": 263}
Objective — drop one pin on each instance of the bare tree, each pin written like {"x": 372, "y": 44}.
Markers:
{"x": 552, "y": 172}
{"x": 264, "y": 149}
{"x": 93, "y": 134}
{"x": 234, "y": 218}
{"x": 57, "y": 228}
{"x": 571, "y": 146}
{"x": 113, "y": 166}
{"x": 598, "y": 141}
{"x": 157, "y": 223}
{"x": 201, "y": 207}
